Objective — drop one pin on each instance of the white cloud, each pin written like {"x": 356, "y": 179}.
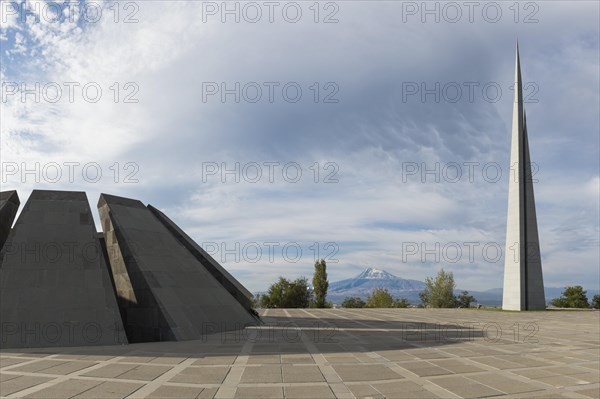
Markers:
{"x": 370, "y": 134}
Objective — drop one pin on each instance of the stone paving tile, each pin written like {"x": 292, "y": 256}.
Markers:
{"x": 457, "y": 366}
{"x": 522, "y": 361}
{"x": 215, "y": 360}
{"x": 38, "y": 366}
{"x": 587, "y": 377}
{"x": 365, "y": 391}
{"x": 429, "y": 354}
{"x": 259, "y": 392}
{"x": 262, "y": 374}
{"x": 403, "y": 389}
{"x": 264, "y": 359}
{"x": 9, "y": 361}
{"x": 65, "y": 389}
{"x": 6, "y": 377}
{"x": 175, "y": 392}
{"x": 505, "y": 384}
{"x": 110, "y": 390}
{"x": 593, "y": 366}
{"x": 167, "y": 360}
{"x": 564, "y": 370}
{"x": 462, "y": 352}
{"x": 465, "y": 388}
{"x": 18, "y": 384}
{"x": 424, "y": 368}
{"x": 302, "y": 373}
{"x": 341, "y": 358}
{"x": 297, "y": 359}
{"x": 592, "y": 392}
{"x": 208, "y": 393}
{"x": 202, "y": 375}
{"x": 138, "y": 359}
{"x": 67, "y": 368}
{"x": 144, "y": 373}
{"x": 89, "y": 358}
{"x": 538, "y": 395}
{"x": 362, "y": 372}
{"x": 308, "y": 391}
{"x": 583, "y": 356}
{"x": 110, "y": 370}
{"x": 396, "y": 355}
{"x": 534, "y": 373}
{"x": 497, "y": 363}
{"x": 559, "y": 381}
{"x": 481, "y": 351}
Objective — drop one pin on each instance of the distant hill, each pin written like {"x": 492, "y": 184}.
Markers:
{"x": 371, "y": 278}
{"x": 493, "y": 297}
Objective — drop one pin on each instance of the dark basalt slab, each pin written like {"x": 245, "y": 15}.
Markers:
{"x": 165, "y": 292}
{"x": 9, "y": 205}
{"x": 55, "y": 285}
{"x": 237, "y": 290}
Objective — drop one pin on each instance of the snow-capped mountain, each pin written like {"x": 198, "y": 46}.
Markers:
{"x": 371, "y": 278}
{"x": 376, "y": 273}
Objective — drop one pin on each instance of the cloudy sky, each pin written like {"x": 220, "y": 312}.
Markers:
{"x": 370, "y": 133}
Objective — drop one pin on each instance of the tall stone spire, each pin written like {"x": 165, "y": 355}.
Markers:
{"x": 523, "y": 281}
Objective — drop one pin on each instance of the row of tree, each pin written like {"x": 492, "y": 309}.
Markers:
{"x": 379, "y": 298}
{"x": 576, "y": 297}
{"x": 438, "y": 293}
{"x": 297, "y": 293}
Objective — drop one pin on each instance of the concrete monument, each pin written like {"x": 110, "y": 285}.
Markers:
{"x": 9, "y": 205}
{"x": 55, "y": 287}
{"x": 523, "y": 281}
{"x": 165, "y": 292}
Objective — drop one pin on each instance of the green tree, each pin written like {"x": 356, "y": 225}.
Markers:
{"x": 380, "y": 298}
{"x": 596, "y": 301}
{"x": 464, "y": 300}
{"x": 572, "y": 297}
{"x": 401, "y": 303}
{"x": 287, "y": 294}
{"x": 256, "y": 301}
{"x": 424, "y": 297}
{"x": 439, "y": 292}
{"x": 353, "y": 302}
{"x": 320, "y": 283}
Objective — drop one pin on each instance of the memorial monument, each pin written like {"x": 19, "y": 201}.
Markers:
{"x": 523, "y": 280}
{"x": 143, "y": 280}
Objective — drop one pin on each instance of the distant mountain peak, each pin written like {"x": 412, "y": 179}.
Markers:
{"x": 373, "y": 273}
{"x": 372, "y": 278}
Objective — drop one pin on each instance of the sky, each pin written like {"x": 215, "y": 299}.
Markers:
{"x": 368, "y": 133}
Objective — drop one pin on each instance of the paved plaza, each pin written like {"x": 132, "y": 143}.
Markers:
{"x": 334, "y": 353}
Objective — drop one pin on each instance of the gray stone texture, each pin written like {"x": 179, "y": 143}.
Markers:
{"x": 55, "y": 286}
{"x": 523, "y": 280}
{"x": 165, "y": 292}
{"x": 9, "y": 205}
{"x": 237, "y": 290}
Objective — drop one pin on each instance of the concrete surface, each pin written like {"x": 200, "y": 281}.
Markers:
{"x": 523, "y": 279}
{"x": 235, "y": 288}
{"x": 334, "y": 353}
{"x": 9, "y": 205}
{"x": 165, "y": 293}
{"x": 55, "y": 287}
